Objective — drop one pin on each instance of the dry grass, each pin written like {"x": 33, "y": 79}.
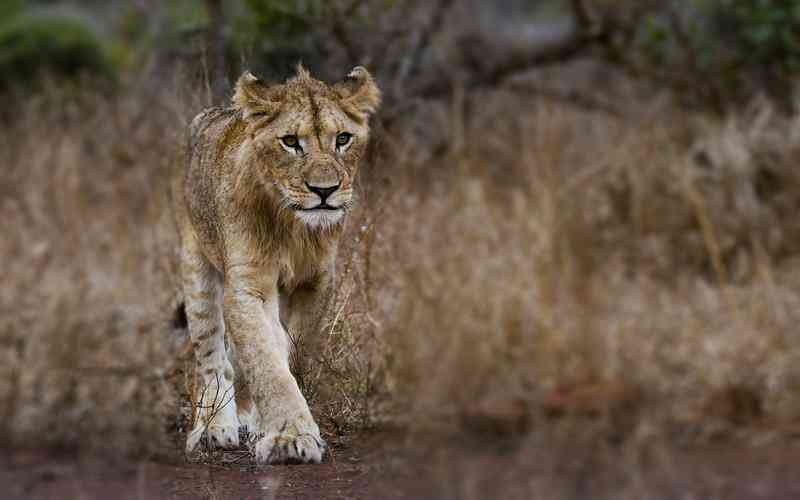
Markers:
{"x": 536, "y": 260}
{"x": 88, "y": 279}
{"x": 564, "y": 261}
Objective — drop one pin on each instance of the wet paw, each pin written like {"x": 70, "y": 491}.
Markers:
{"x": 224, "y": 436}
{"x": 220, "y": 427}
{"x": 290, "y": 445}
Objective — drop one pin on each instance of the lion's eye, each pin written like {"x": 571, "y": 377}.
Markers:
{"x": 291, "y": 142}
{"x": 343, "y": 139}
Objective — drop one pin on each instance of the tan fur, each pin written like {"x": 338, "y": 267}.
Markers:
{"x": 253, "y": 241}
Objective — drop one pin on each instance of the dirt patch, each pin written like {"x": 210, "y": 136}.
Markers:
{"x": 351, "y": 470}
{"x": 386, "y": 465}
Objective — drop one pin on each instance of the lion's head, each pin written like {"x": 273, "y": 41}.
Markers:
{"x": 305, "y": 139}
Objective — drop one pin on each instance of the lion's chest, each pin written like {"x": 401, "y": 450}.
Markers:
{"x": 301, "y": 267}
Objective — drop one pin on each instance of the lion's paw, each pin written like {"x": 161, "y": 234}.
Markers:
{"x": 222, "y": 432}
{"x": 293, "y": 443}
{"x": 224, "y": 436}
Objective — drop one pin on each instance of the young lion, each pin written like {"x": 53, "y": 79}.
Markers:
{"x": 259, "y": 205}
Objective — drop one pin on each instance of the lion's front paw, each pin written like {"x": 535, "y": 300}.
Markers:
{"x": 221, "y": 427}
{"x": 224, "y": 436}
{"x": 293, "y": 443}
{"x": 219, "y": 436}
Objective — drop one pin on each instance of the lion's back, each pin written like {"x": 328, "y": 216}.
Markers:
{"x": 196, "y": 176}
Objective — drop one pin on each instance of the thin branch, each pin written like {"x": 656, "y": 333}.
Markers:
{"x": 339, "y": 30}
{"x": 581, "y": 14}
{"x": 352, "y": 8}
{"x": 707, "y": 86}
{"x": 584, "y": 36}
{"x": 421, "y": 44}
{"x": 216, "y": 47}
{"x": 512, "y": 67}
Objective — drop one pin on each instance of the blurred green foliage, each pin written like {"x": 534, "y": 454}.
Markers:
{"x": 273, "y": 34}
{"x": 62, "y": 46}
{"x": 767, "y": 31}
{"x": 185, "y": 15}
{"x": 9, "y": 9}
{"x": 280, "y": 18}
{"x": 718, "y": 51}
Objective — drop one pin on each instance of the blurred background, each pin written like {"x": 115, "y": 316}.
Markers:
{"x": 574, "y": 263}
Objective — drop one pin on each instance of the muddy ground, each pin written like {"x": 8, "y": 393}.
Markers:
{"x": 390, "y": 465}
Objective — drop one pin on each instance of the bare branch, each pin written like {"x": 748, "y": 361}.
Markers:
{"x": 546, "y": 55}
{"x": 583, "y": 19}
{"x": 339, "y": 30}
{"x": 216, "y": 47}
{"x": 683, "y": 40}
{"x": 583, "y": 35}
{"x": 422, "y": 41}
{"x": 339, "y": 33}
{"x": 707, "y": 86}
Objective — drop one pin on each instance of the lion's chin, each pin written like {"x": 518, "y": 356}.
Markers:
{"x": 320, "y": 218}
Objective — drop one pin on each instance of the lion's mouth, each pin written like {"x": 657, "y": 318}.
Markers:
{"x": 324, "y": 206}
{"x": 321, "y": 206}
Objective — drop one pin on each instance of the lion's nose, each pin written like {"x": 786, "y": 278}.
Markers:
{"x": 323, "y": 192}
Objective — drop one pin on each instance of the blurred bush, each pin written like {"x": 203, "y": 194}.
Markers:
{"x": 714, "y": 52}
{"x": 767, "y": 31}
{"x": 766, "y": 37}
{"x": 272, "y": 35}
{"x": 284, "y": 18}
{"x": 9, "y": 9}
{"x": 63, "y": 46}
{"x": 275, "y": 34}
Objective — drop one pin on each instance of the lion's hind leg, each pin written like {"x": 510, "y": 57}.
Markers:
{"x": 214, "y": 404}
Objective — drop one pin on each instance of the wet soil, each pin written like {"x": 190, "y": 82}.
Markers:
{"x": 390, "y": 465}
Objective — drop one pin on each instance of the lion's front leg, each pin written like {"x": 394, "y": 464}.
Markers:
{"x": 262, "y": 348}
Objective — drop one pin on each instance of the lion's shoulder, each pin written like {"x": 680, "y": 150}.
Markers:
{"x": 210, "y": 123}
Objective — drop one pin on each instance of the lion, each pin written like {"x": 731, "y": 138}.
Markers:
{"x": 260, "y": 203}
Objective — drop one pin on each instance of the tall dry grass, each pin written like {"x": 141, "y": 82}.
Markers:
{"x": 510, "y": 258}
{"x": 552, "y": 261}
{"x": 88, "y": 282}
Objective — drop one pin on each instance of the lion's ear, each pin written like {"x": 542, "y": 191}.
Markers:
{"x": 254, "y": 97}
{"x": 359, "y": 93}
